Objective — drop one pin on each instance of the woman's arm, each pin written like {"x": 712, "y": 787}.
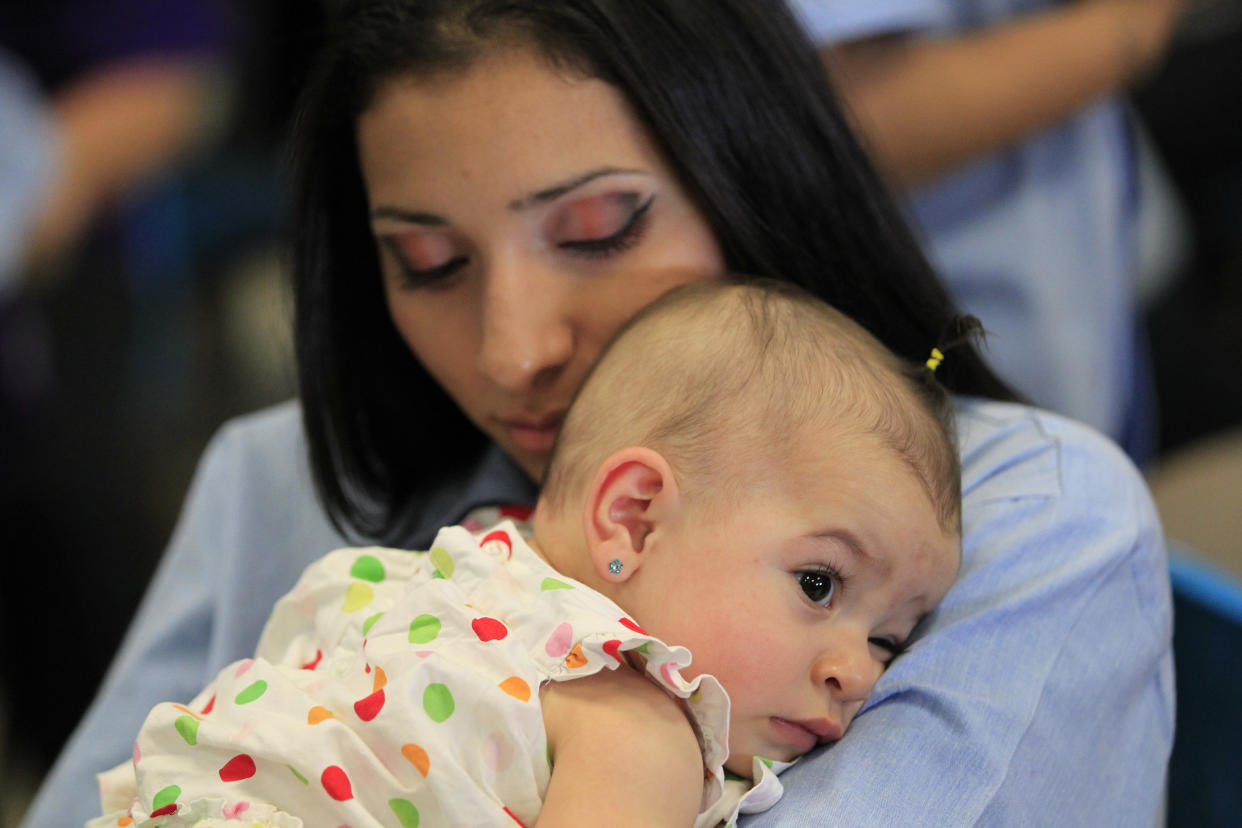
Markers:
{"x": 1045, "y": 679}
{"x": 928, "y": 105}
{"x": 623, "y": 753}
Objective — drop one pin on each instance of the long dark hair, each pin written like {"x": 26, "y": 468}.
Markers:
{"x": 736, "y": 98}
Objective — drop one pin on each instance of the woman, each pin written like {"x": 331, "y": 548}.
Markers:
{"x": 486, "y": 190}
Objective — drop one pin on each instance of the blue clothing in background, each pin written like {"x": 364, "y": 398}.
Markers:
{"x": 1043, "y": 681}
{"x": 1040, "y": 240}
{"x": 28, "y": 155}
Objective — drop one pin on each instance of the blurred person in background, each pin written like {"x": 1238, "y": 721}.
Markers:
{"x": 102, "y": 102}
{"x": 1002, "y": 120}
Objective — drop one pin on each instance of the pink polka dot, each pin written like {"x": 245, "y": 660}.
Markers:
{"x": 560, "y": 641}
{"x": 498, "y": 752}
{"x": 243, "y": 667}
{"x": 666, "y": 670}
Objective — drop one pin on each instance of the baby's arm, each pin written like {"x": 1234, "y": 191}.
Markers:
{"x": 623, "y": 753}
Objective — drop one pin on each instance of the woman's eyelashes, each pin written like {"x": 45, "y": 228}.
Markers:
{"x": 424, "y": 257}
{"x": 591, "y": 228}
{"x": 601, "y": 226}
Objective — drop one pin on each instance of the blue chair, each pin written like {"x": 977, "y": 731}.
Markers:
{"x": 1205, "y": 771}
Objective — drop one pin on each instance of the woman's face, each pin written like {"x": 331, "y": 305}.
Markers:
{"x": 521, "y": 217}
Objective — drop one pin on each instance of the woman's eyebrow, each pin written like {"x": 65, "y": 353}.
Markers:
{"x": 556, "y": 191}
{"x": 408, "y": 216}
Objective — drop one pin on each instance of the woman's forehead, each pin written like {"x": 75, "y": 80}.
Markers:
{"x": 508, "y": 116}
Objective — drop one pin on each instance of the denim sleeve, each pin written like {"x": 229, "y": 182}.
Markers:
{"x": 249, "y": 525}
{"x": 833, "y": 21}
{"x": 29, "y": 152}
{"x": 1045, "y": 679}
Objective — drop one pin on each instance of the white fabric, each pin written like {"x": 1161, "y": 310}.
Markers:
{"x": 397, "y": 684}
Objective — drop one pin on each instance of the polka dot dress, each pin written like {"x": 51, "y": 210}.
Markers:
{"x": 398, "y": 688}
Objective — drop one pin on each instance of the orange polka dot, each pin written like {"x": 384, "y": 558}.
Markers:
{"x": 188, "y": 710}
{"x": 123, "y": 821}
{"x": 575, "y": 658}
{"x": 417, "y": 757}
{"x": 317, "y": 714}
{"x": 380, "y": 680}
{"x": 517, "y": 688}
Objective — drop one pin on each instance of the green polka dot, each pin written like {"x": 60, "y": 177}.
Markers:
{"x": 370, "y": 622}
{"x": 297, "y": 775}
{"x": 166, "y": 797}
{"x": 368, "y": 568}
{"x": 405, "y": 811}
{"x": 765, "y": 760}
{"x": 552, "y": 583}
{"x": 437, "y": 574}
{"x": 736, "y": 777}
{"x": 187, "y": 726}
{"x": 642, "y": 648}
{"x": 438, "y": 702}
{"x": 251, "y": 693}
{"x": 442, "y": 561}
{"x": 424, "y": 628}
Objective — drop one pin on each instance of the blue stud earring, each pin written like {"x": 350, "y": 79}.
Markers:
{"x": 614, "y": 566}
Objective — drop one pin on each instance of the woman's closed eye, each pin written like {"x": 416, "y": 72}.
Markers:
{"x": 424, "y": 256}
{"x": 600, "y": 226}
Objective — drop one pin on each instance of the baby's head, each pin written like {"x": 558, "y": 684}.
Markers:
{"x": 750, "y": 474}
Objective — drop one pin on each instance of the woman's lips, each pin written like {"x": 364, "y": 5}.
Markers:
{"x": 534, "y": 434}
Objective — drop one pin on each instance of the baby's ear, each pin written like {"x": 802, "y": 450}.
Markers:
{"x": 633, "y": 491}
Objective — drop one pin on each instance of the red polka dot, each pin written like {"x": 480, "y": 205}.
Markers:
{"x": 514, "y": 818}
{"x": 209, "y": 706}
{"x": 625, "y": 622}
{"x": 314, "y": 662}
{"x": 613, "y": 648}
{"x": 238, "y": 768}
{"x": 517, "y": 511}
{"x": 368, "y": 708}
{"x": 489, "y": 629}
{"x": 336, "y": 783}
{"x": 170, "y": 808}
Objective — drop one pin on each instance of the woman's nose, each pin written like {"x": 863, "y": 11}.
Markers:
{"x": 527, "y": 334}
{"x": 848, "y": 670}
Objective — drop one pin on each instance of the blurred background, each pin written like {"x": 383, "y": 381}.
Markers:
{"x": 153, "y": 308}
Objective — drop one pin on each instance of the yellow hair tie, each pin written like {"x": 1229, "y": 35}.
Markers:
{"x": 936, "y": 358}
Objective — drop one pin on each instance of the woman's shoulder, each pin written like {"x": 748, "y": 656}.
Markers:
{"x": 1056, "y": 501}
{"x": 1010, "y": 450}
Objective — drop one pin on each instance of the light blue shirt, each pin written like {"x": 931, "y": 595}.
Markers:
{"x": 29, "y": 148}
{"x": 1040, "y": 240}
{"x": 1040, "y": 691}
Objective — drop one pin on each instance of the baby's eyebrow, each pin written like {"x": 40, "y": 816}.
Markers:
{"x": 856, "y": 548}
{"x": 557, "y": 190}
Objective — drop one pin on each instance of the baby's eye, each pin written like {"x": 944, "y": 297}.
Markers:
{"x": 819, "y": 585}
{"x": 889, "y": 648}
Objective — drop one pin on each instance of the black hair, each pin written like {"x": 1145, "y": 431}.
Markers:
{"x": 736, "y": 98}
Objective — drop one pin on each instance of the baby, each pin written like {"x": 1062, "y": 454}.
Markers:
{"x": 746, "y": 477}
